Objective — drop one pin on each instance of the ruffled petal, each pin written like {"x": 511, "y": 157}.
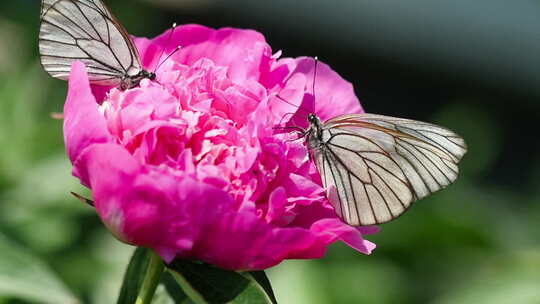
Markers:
{"x": 149, "y": 207}
{"x": 242, "y": 51}
{"x": 83, "y": 124}
{"x": 330, "y": 230}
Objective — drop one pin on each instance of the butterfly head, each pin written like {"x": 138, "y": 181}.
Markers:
{"x": 149, "y": 75}
{"x": 314, "y": 121}
{"x": 129, "y": 82}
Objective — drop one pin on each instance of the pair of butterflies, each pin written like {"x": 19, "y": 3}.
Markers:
{"x": 373, "y": 167}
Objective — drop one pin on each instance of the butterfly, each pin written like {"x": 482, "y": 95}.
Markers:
{"x": 374, "y": 167}
{"x": 86, "y": 30}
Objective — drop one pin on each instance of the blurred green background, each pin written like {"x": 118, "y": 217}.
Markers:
{"x": 473, "y": 66}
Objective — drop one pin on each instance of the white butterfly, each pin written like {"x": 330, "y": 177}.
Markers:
{"x": 374, "y": 167}
{"x": 86, "y": 30}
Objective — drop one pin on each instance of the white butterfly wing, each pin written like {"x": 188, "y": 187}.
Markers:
{"x": 376, "y": 166}
{"x": 45, "y": 5}
{"x": 85, "y": 30}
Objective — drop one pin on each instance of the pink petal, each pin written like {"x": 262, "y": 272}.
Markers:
{"x": 149, "y": 208}
{"x": 330, "y": 230}
{"x": 83, "y": 124}
{"x": 255, "y": 245}
{"x": 241, "y": 50}
{"x": 276, "y": 205}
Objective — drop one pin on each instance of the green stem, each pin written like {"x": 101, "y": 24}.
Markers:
{"x": 151, "y": 279}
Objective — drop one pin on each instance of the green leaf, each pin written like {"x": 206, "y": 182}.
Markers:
{"x": 134, "y": 276}
{"x": 172, "y": 288}
{"x": 162, "y": 297}
{"x": 204, "y": 284}
{"x": 142, "y": 277}
{"x": 262, "y": 279}
{"x": 25, "y": 277}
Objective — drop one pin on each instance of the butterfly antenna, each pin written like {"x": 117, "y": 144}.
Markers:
{"x": 315, "y": 76}
{"x": 160, "y": 62}
{"x": 299, "y": 107}
{"x": 168, "y": 56}
{"x": 285, "y": 115}
{"x": 316, "y": 59}
{"x": 292, "y": 104}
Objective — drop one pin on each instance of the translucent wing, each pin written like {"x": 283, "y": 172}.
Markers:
{"x": 85, "y": 30}
{"x": 376, "y": 166}
{"x": 45, "y": 5}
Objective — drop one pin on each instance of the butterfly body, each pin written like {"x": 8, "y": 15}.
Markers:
{"x": 374, "y": 167}
{"x": 314, "y": 135}
{"x": 86, "y": 31}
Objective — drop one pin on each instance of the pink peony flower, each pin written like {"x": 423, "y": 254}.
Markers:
{"x": 190, "y": 165}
